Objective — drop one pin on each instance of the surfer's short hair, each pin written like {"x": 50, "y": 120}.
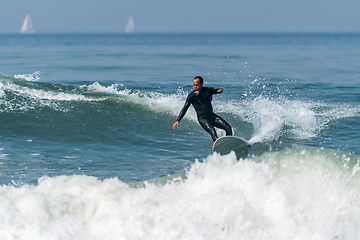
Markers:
{"x": 200, "y": 78}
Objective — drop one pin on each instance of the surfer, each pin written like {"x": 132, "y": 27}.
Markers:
{"x": 201, "y": 98}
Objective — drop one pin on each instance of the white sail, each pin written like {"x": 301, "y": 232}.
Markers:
{"x": 130, "y": 27}
{"x": 27, "y": 26}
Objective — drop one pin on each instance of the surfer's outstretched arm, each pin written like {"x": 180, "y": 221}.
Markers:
{"x": 183, "y": 111}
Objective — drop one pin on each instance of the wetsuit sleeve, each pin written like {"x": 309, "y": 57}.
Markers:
{"x": 214, "y": 91}
{"x": 185, "y": 108}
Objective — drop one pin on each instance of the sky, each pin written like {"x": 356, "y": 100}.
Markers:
{"x": 61, "y": 16}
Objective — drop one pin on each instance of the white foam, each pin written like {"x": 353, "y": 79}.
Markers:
{"x": 37, "y": 97}
{"x": 298, "y": 119}
{"x": 168, "y": 103}
{"x": 271, "y": 116}
{"x": 34, "y": 77}
{"x": 97, "y": 87}
{"x": 293, "y": 194}
{"x": 2, "y": 92}
{"x": 48, "y": 95}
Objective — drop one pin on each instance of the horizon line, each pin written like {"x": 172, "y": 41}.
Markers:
{"x": 191, "y": 32}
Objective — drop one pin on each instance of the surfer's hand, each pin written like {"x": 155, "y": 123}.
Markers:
{"x": 220, "y": 90}
{"x": 176, "y": 124}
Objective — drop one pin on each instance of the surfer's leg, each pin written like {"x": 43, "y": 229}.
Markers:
{"x": 221, "y": 123}
{"x": 209, "y": 127}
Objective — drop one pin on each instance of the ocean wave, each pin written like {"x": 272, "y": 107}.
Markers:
{"x": 271, "y": 117}
{"x": 307, "y": 191}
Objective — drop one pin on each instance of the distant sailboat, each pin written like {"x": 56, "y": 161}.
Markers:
{"x": 130, "y": 27}
{"x": 27, "y": 26}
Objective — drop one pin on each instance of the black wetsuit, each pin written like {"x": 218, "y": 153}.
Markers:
{"x": 201, "y": 101}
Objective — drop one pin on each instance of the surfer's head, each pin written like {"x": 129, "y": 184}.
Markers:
{"x": 200, "y": 78}
{"x": 198, "y": 83}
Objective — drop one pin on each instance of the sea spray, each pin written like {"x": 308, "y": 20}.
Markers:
{"x": 299, "y": 193}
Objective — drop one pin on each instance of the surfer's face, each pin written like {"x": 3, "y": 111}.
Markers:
{"x": 197, "y": 85}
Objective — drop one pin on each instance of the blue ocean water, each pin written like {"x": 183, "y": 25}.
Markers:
{"x": 87, "y": 149}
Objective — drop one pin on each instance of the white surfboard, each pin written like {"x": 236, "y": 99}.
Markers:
{"x": 225, "y": 145}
